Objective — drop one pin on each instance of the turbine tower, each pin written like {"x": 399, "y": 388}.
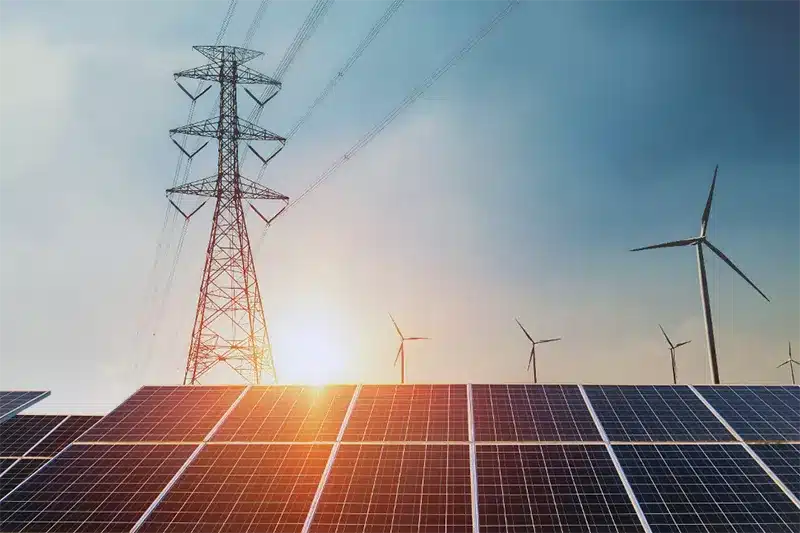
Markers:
{"x": 532, "y": 359}
{"x": 790, "y": 362}
{"x": 672, "y": 348}
{"x": 698, "y": 243}
{"x": 229, "y": 325}
{"x": 401, "y": 353}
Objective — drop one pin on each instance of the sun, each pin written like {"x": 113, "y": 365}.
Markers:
{"x": 311, "y": 352}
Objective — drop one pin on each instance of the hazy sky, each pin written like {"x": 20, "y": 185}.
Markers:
{"x": 574, "y": 132}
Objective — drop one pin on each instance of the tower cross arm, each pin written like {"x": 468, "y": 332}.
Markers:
{"x": 244, "y": 75}
{"x": 202, "y": 187}
{"x": 245, "y": 130}
{"x": 255, "y": 191}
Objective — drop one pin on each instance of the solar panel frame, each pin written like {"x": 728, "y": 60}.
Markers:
{"x": 784, "y": 461}
{"x": 18, "y": 435}
{"x": 757, "y": 414}
{"x": 99, "y": 488}
{"x": 287, "y": 414}
{"x": 64, "y": 434}
{"x": 705, "y": 487}
{"x": 397, "y": 488}
{"x": 242, "y": 487}
{"x": 410, "y": 413}
{"x": 550, "y": 413}
{"x": 12, "y": 402}
{"x": 18, "y": 472}
{"x": 552, "y": 488}
{"x": 165, "y": 414}
{"x": 654, "y": 413}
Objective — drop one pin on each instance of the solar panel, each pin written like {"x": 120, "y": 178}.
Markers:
{"x": 551, "y": 488}
{"x": 531, "y": 413}
{"x": 243, "y": 488}
{"x": 165, "y": 414}
{"x": 757, "y": 413}
{"x": 653, "y": 413}
{"x": 16, "y": 474}
{"x": 709, "y": 487}
{"x": 784, "y": 461}
{"x": 96, "y": 488}
{"x": 409, "y": 413}
{"x": 287, "y": 414}
{"x": 12, "y": 402}
{"x": 64, "y": 434}
{"x": 5, "y": 463}
{"x": 21, "y": 433}
{"x": 404, "y": 488}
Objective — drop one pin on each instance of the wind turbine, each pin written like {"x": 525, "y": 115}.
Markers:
{"x": 790, "y": 362}
{"x": 698, "y": 243}
{"x": 672, "y": 348}
{"x": 401, "y": 353}
{"x": 532, "y": 359}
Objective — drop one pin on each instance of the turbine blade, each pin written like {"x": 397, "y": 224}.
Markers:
{"x": 417, "y": 338}
{"x": 682, "y": 343}
{"x": 682, "y": 242}
{"x": 707, "y": 210}
{"x": 665, "y": 336}
{"x": 395, "y": 325}
{"x": 790, "y": 349}
{"x": 785, "y": 363}
{"x": 524, "y": 330}
{"x": 396, "y": 357}
{"x": 734, "y": 267}
{"x": 530, "y": 361}
{"x": 548, "y": 340}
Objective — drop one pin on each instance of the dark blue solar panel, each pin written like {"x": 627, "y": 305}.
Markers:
{"x": 531, "y": 413}
{"x": 705, "y": 488}
{"x": 64, "y": 434}
{"x": 758, "y": 413}
{"x": 12, "y": 402}
{"x": 93, "y": 488}
{"x": 553, "y": 489}
{"x": 16, "y": 474}
{"x": 406, "y": 488}
{"x": 21, "y": 433}
{"x": 784, "y": 461}
{"x": 654, "y": 413}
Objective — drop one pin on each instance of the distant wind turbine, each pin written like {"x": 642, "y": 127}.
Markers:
{"x": 672, "y": 348}
{"x": 790, "y": 362}
{"x": 401, "y": 353}
{"x": 698, "y": 243}
{"x": 532, "y": 359}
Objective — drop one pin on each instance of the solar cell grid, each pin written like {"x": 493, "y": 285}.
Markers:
{"x": 243, "y": 488}
{"x": 531, "y": 413}
{"x": 165, "y": 414}
{"x": 399, "y": 488}
{"x": 12, "y": 402}
{"x": 64, "y": 434}
{"x": 409, "y": 413}
{"x": 784, "y": 461}
{"x": 287, "y": 414}
{"x": 15, "y": 475}
{"x": 654, "y": 413}
{"x": 21, "y": 433}
{"x": 5, "y": 463}
{"x": 98, "y": 488}
{"x": 707, "y": 487}
{"x": 757, "y": 413}
{"x": 553, "y": 489}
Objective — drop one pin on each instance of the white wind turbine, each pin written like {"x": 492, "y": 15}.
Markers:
{"x": 401, "y": 353}
{"x": 532, "y": 358}
{"x": 790, "y": 362}
{"x": 672, "y": 348}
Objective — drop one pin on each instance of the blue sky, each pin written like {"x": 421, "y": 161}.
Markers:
{"x": 574, "y": 132}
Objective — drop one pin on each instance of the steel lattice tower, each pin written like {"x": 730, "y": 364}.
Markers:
{"x": 229, "y": 326}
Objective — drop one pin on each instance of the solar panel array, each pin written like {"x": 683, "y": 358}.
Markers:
{"x": 12, "y": 402}
{"x": 413, "y": 458}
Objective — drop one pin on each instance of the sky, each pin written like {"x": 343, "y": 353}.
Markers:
{"x": 513, "y": 189}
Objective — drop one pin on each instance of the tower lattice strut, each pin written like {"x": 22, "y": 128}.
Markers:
{"x": 229, "y": 325}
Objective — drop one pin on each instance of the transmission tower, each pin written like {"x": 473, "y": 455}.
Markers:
{"x": 229, "y": 326}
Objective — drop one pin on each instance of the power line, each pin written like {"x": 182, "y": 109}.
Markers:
{"x": 360, "y": 49}
{"x": 410, "y": 99}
